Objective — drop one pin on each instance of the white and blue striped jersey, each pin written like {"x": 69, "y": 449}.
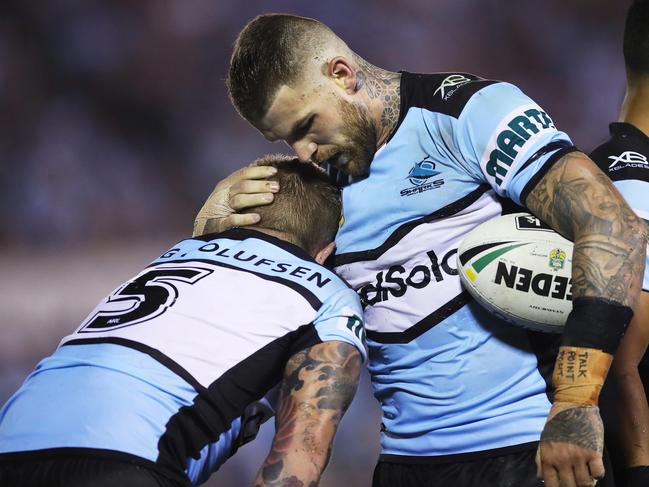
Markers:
{"x": 623, "y": 158}
{"x": 451, "y": 379}
{"x": 180, "y": 365}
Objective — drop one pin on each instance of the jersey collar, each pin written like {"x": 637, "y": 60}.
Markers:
{"x": 624, "y": 128}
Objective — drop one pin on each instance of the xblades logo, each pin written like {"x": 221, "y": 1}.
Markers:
{"x": 453, "y": 81}
{"x": 420, "y": 177}
{"x": 628, "y": 159}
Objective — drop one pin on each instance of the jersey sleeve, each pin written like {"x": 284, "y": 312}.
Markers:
{"x": 341, "y": 318}
{"x": 509, "y": 139}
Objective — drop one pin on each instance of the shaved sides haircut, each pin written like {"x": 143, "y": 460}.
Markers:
{"x": 271, "y": 51}
{"x": 636, "y": 39}
{"x": 307, "y": 208}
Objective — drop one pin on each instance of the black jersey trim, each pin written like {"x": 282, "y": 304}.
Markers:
{"x": 625, "y": 128}
{"x": 552, "y": 146}
{"x": 213, "y": 411}
{"x": 94, "y": 453}
{"x": 423, "y": 325}
{"x": 406, "y": 228}
{"x": 154, "y": 353}
{"x": 459, "y": 457}
{"x": 245, "y": 233}
{"x": 531, "y": 184}
{"x": 310, "y": 297}
{"x": 423, "y": 91}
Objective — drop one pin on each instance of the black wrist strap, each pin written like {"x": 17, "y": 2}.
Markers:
{"x": 596, "y": 323}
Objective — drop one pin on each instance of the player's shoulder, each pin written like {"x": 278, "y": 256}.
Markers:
{"x": 447, "y": 93}
{"x": 625, "y": 154}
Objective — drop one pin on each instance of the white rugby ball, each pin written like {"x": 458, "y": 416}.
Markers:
{"x": 519, "y": 269}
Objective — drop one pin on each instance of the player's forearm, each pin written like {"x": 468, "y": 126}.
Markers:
{"x": 301, "y": 468}
{"x": 579, "y": 201}
{"x": 576, "y": 199}
{"x": 632, "y": 416}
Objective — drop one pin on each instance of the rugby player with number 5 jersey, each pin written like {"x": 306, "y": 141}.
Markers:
{"x": 179, "y": 366}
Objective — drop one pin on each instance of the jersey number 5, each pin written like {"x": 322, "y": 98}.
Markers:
{"x": 148, "y": 295}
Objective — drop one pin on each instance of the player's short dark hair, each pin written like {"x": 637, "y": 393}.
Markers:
{"x": 308, "y": 206}
{"x": 269, "y": 52}
{"x": 636, "y": 38}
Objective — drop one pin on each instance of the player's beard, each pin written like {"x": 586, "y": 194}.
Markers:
{"x": 355, "y": 155}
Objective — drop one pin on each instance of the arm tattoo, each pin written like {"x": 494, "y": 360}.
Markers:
{"x": 581, "y": 203}
{"x": 383, "y": 85}
{"x": 580, "y": 426}
{"x": 318, "y": 387}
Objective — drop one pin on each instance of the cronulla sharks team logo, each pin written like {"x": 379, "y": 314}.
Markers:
{"x": 422, "y": 177}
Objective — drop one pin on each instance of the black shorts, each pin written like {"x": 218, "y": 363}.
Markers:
{"x": 516, "y": 469}
{"x": 80, "y": 472}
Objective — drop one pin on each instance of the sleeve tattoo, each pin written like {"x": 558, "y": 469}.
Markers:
{"x": 580, "y": 202}
{"x": 318, "y": 387}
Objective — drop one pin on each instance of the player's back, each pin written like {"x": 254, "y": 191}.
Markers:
{"x": 178, "y": 366}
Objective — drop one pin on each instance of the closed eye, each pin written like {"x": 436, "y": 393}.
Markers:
{"x": 302, "y": 129}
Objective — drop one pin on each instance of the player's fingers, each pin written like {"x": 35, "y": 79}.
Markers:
{"x": 248, "y": 186}
{"x": 237, "y": 220}
{"x": 249, "y": 172}
{"x": 596, "y": 468}
{"x": 537, "y": 460}
{"x": 582, "y": 475}
{"x": 241, "y": 201}
{"x": 567, "y": 476}
{"x": 550, "y": 476}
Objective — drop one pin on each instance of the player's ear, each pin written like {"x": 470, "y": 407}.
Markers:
{"x": 342, "y": 73}
{"x": 324, "y": 253}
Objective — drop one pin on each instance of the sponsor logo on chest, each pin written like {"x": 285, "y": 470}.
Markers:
{"x": 396, "y": 280}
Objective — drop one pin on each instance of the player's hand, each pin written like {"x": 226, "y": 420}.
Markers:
{"x": 572, "y": 442}
{"x": 242, "y": 189}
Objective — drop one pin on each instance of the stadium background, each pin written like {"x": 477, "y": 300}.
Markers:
{"x": 115, "y": 125}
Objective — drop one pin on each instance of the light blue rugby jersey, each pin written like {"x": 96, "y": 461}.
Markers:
{"x": 451, "y": 379}
{"x": 179, "y": 366}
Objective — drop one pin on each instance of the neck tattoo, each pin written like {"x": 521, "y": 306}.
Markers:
{"x": 384, "y": 86}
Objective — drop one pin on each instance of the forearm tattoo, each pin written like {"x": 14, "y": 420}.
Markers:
{"x": 318, "y": 387}
{"x": 580, "y": 426}
{"x": 383, "y": 85}
{"x": 610, "y": 240}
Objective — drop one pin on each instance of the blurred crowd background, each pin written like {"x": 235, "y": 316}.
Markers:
{"x": 115, "y": 125}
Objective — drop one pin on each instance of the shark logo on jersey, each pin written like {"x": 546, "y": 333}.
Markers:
{"x": 510, "y": 137}
{"x": 420, "y": 177}
{"x": 421, "y": 172}
{"x": 450, "y": 85}
{"x": 628, "y": 158}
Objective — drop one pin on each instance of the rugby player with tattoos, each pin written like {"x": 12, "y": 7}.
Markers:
{"x": 467, "y": 400}
{"x": 180, "y": 366}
